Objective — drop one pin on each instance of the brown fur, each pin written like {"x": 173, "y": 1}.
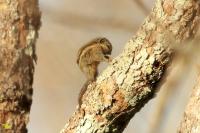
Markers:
{"x": 88, "y": 58}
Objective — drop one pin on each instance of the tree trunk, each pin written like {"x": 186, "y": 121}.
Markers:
{"x": 134, "y": 76}
{"x": 19, "y": 24}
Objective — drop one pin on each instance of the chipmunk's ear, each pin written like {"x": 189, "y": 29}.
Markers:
{"x": 105, "y": 41}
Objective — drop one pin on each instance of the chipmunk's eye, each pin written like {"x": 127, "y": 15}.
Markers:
{"x": 106, "y": 56}
{"x": 102, "y": 40}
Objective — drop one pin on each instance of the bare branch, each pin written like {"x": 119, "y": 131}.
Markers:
{"x": 134, "y": 76}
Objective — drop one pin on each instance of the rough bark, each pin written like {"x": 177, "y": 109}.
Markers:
{"x": 19, "y": 24}
{"x": 191, "y": 118}
{"x": 134, "y": 76}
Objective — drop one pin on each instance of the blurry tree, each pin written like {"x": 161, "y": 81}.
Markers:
{"x": 142, "y": 6}
{"x": 191, "y": 120}
{"x": 19, "y": 24}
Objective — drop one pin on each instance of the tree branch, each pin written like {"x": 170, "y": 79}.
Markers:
{"x": 191, "y": 120}
{"x": 134, "y": 76}
{"x": 19, "y": 24}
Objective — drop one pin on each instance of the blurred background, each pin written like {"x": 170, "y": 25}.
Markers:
{"x": 66, "y": 26}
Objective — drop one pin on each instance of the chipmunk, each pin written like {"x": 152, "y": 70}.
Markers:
{"x": 89, "y": 56}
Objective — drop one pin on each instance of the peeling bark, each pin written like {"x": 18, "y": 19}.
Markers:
{"x": 19, "y": 25}
{"x": 134, "y": 76}
{"x": 191, "y": 118}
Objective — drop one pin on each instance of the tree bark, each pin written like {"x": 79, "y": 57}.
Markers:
{"x": 19, "y": 25}
{"x": 191, "y": 118}
{"x": 134, "y": 76}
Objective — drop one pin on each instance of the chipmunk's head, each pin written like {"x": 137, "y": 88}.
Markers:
{"x": 105, "y": 45}
{"x": 95, "y": 49}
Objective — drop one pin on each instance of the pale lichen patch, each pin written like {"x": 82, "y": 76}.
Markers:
{"x": 106, "y": 73}
{"x": 149, "y": 70}
{"x": 130, "y": 47}
{"x": 159, "y": 10}
{"x": 151, "y": 26}
{"x": 158, "y": 49}
{"x": 120, "y": 78}
{"x": 146, "y": 90}
{"x": 152, "y": 59}
{"x": 30, "y": 40}
{"x": 128, "y": 83}
{"x": 135, "y": 66}
{"x": 179, "y": 4}
{"x": 86, "y": 124}
{"x": 137, "y": 73}
{"x": 138, "y": 57}
{"x": 144, "y": 55}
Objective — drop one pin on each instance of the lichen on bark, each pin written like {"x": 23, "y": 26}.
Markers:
{"x": 133, "y": 77}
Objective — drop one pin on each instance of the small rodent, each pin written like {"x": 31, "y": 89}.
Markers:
{"x": 88, "y": 58}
